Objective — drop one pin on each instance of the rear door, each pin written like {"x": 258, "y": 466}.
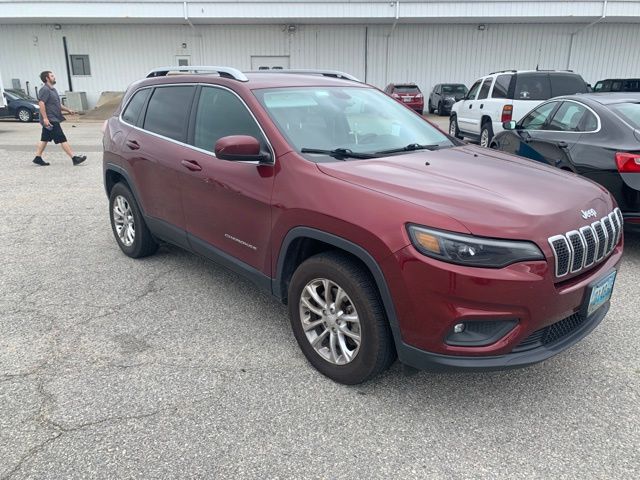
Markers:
{"x": 227, "y": 204}
{"x": 154, "y": 153}
{"x": 465, "y": 120}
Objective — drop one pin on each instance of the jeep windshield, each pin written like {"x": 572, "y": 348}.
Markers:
{"x": 348, "y": 119}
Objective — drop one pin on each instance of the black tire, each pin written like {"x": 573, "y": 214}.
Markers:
{"x": 24, "y": 115}
{"x": 429, "y": 107}
{"x": 143, "y": 242}
{"x": 376, "y": 351}
{"x": 486, "y": 129}
{"x": 439, "y": 110}
{"x": 454, "y": 131}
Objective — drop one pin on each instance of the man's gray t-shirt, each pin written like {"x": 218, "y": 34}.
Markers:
{"x": 52, "y": 105}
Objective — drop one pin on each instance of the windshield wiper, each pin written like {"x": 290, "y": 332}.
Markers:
{"x": 409, "y": 148}
{"x": 339, "y": 153}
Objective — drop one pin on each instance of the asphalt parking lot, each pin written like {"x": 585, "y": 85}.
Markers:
{"x": 173, "y": 367}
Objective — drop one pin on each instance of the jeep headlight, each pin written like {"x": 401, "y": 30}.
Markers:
{"x": 470, "y": 250}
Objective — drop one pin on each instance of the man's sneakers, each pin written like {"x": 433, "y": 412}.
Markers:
{"x": 78, "y": 159}
{"x": 40, "y": 161}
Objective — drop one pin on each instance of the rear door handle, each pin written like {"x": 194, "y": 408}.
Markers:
{"x": 191, "y": 165}
{"x": 563, "y": 144}
{"x": 481, "y": 105}
{"x": 470, "y": 105}
{"x": 133, "y": 145}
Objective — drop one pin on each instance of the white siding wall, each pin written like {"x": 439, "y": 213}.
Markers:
{"x": 426, "y": 53}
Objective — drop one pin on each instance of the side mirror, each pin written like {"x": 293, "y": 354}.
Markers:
{"x": 509, "y": 125}
{"x": 240, "y": 148}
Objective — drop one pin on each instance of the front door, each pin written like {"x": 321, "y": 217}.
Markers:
{"x": 227, "y": 204}
{"x": 465, "y": 113}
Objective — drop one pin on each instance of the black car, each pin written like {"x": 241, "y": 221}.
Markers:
{"x": 20, "y": 106}
{"x": 444, "y": 95}
{"x": 596, "y": 135}
{"x": 618, "y": 85}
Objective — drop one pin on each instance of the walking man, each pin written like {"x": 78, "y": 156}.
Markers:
{"x": 50, "y": 117}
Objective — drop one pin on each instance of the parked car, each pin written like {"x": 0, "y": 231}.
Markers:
{"x": 618, "y": 85}
{"x": 595, "y": 135}
{"x": 20, "y": 106}
{"x": 407, "y": 93}
{"x": 504, "y": 96}
{"x": 444, "y": 95}
{"x": 383, "y": 235}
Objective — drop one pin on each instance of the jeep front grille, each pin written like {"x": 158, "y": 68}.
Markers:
{"x": 579, "y": 249}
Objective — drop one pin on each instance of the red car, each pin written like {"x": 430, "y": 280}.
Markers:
{"x": 408, "y": 94}
{"x": 384, "y": 235}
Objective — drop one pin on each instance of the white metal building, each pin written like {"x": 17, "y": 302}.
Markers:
{"x": 111, "y": 43}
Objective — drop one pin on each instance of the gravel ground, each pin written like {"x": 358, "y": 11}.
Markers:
{"x": 172, "y": 367}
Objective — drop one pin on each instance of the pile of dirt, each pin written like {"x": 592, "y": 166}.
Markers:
{"x": 105, "y": 107}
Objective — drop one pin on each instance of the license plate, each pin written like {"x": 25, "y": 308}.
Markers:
{"x": 407, "y": 99}
{"x": 601, "y": 293}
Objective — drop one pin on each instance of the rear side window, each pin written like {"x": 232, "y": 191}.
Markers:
{"x": 532, "y": 86}
{"x": 501, "y": 88}
{"x": 484, "y": 91}
{"x": 566, "y": 84}
{"x": 407, "y": 89}
{"x": 132, "y": 112}
{"x": 629, "y": 112}
{"x": 220, "y": 113}
{"x": 631, "y": 85}
{"x": 168, "y": 112}
{"x": 568, "y": 117}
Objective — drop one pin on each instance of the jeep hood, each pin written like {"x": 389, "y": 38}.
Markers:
{"x": 487, "y": 191}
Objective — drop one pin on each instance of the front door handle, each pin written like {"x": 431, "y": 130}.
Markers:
{"x": 526, "y": 136}
{"x": 191, "y": 165}
{"x": 470, "y": 105}
{"x": 563, "y": 144}
{"x": 481, "y": 105}
{"x": 133, "y": 145}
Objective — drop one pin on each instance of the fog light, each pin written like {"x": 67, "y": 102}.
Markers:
{"x": 479, "y": 333}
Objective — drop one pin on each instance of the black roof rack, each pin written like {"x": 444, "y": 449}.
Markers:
{"x": 503, "y": 71}
{"x": 226, "y": 72}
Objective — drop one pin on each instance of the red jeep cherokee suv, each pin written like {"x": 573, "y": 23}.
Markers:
{"x": 383, "y": 235}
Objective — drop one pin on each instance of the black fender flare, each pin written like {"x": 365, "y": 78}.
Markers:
{"x": 111, "y": 167}
{"x": 278, "y": 283}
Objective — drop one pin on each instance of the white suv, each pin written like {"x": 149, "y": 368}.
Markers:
{"x": 505, "y": 96}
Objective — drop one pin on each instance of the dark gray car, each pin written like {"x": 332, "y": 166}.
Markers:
{"x": 444, "y": 95}
{"x": 596, "y": 135}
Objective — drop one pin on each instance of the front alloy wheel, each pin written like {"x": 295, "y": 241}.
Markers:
{"x": 330, "y": 321}
{"x": 24, "y": 115}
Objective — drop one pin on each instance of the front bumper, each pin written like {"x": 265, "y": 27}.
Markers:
{"x": 424, "y": 360}
{"x": 432, "y": 296}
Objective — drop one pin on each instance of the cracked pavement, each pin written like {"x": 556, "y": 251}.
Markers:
{"x": 173, "y": 367}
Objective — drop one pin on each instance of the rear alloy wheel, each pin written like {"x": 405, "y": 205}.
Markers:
{"x": 338, "y": 319}
{"x": 486, "y": 135}
{"x": 128, "y": 225}
{"x": 24, "y": 115}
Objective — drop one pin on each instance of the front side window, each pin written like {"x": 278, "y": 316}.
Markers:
{"x": 568, "y": 117}
{"x": 361, "y": 120}
{"x": 131, "y": 113}
{"x": 536, "y": 119}
{"x": 168, "y": 111}
{"x": 484, "y": 91}
{"x": 474, "y": 90}
{"x": 220, "y": 113}
{"x": 532, "y": 86}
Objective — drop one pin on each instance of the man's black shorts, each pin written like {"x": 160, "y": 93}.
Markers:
{"x": 56, "y": 134}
